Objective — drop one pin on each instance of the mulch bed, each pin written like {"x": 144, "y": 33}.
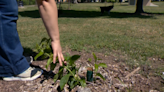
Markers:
{"x": 119, "y": 78}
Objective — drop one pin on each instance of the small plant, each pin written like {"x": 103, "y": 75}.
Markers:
{"x": 43, "y": 49}
{"x": 70, "y": 76}
{"x": 97, "y": 65}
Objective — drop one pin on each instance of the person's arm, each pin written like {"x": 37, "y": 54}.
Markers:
{"x": 49, "y": 13}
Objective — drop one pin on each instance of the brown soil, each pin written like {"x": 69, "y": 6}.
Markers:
{"x": 119, "y": 78}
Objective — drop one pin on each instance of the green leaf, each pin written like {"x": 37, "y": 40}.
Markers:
{"x": 73, "y": 83}
{"x": 56, "y": 77}
{"x": 95, "y": 57}
{"x": 44, "y": 56}
{"x": 64, "y": 80}
{"x": 96, "y": 67}
{"x": 43, "y": 40}
{"x": 35, "y": 50}
{"x": 52, "y": 66}
{"x": 73, "y": 59}
{"x": 99, "y": 59}
{"x": 73, "y": 70}
{"x": 83, "y": 83}
{"x": 48, "y": 41}
{"x": 103, "y": 65}
{"x": 61, "y": 72}
{"x": 89, "y": 59}
{"x": 49, "y": 62}
{"x": 66, "y": 58}
{"x": 70, "y": 83}
{"x": 48, "y": 50}
{"x": 98, "y": 74}
{"x": 38, "y": 55}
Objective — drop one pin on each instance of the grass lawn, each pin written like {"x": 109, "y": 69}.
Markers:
{"x": 137, "y": 39}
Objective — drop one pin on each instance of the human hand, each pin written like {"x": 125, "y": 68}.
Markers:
{"x": 57, "y": 52}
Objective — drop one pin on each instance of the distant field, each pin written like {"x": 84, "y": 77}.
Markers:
{"x": 136, "y": 38}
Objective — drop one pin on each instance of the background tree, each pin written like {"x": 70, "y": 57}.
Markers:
{"x": 139, "y": 7}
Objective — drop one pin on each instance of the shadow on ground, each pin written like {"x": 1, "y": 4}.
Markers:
{"x": 31, "y": 13}
{"x": 28, "y": 52}
{"x": 46, "y": 74}
{"x": 89, "y": 14}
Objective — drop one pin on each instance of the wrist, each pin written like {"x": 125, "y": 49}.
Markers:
{"x": 55, "y": 41}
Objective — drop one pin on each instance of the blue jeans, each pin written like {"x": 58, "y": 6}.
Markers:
{"x": 12, "y": 61}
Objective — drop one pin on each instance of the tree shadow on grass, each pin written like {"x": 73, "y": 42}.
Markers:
{"x": 93, "y": 14}
{"x": 30, "y": 13}
{"x": 90, "y": 14}
{"x": 133, "y": 15}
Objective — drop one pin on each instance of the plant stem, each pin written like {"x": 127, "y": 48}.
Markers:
{"x": 70, "y": 71}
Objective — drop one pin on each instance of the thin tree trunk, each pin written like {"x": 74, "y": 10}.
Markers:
{"x": 139, "y": 7}
{"x": 69, "y": 4}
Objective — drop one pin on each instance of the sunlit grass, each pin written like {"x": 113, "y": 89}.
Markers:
{"x": 138, "y": 37}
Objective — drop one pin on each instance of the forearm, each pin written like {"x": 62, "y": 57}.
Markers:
{"x": 49, "y": 14}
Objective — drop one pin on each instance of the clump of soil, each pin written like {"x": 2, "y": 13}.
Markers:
{"x": 119, "y": 77}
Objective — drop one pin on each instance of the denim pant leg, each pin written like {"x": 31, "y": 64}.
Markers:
{"x": 12, "y": 61}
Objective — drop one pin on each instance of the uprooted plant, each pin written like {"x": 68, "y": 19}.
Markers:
{"x": 70, "y": 76}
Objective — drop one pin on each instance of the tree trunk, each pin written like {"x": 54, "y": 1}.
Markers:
{"x": 69, "y": 4}
{"x": 139, "y": 7}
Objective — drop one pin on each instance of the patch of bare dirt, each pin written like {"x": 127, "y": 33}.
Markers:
{"x": 119, "y": 78}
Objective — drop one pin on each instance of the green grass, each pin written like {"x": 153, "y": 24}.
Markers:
{"x": 136, "y": 37}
